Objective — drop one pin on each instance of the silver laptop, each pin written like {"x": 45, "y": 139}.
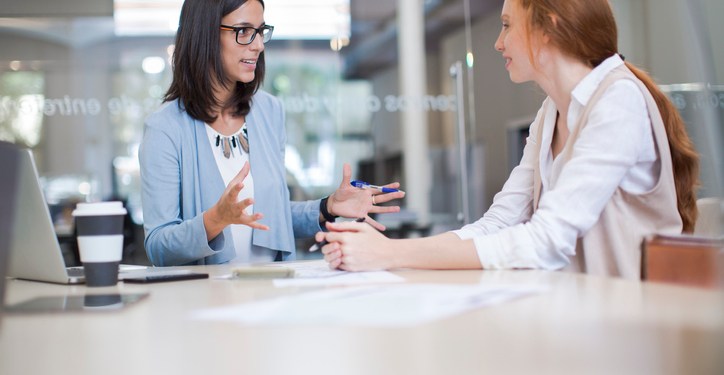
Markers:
{"x": 8, "y": 202}
{"x": 34, "y": 250}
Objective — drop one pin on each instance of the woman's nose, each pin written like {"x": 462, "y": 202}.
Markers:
{"x": 498, "y": 44}
{"x": 257, "y": 43}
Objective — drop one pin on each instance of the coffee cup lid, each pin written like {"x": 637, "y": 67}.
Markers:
{"x": 99, "y": 208}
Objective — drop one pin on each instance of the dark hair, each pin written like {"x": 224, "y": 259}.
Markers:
{"x": 586, "y": 30}
{"x": 197, "y": 64}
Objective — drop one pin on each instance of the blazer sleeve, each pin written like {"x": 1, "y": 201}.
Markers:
{"x": 170, "y": 240}
{"x": 305, "y": 218}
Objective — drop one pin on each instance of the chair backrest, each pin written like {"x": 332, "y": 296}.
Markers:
{"x": 684, "y": 259}
{"x": 710, "y": 222}
{"x": 9, "y": 157}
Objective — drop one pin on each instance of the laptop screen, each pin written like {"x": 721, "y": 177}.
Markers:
{"x": 8, "y": 197}
{"x": 34, "y": 250}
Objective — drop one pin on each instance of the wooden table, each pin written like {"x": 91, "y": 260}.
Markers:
{"x": 582, "y": 325}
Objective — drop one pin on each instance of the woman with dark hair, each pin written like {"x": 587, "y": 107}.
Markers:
{"x": 607, "y": 162}
{"x": 212, "y": 157}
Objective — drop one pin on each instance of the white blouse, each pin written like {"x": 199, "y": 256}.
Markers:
{"x": 229, "y": 168}
{"x": 616, "y": 148}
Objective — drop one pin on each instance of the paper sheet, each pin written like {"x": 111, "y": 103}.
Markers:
{"x": 381, "y": 306}
{"x": 318, "y": 274}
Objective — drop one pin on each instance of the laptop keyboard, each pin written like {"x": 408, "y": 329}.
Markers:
{"x": 75, "y": 271}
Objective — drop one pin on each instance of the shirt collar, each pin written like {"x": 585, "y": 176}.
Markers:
{"x": 583, "y": 91}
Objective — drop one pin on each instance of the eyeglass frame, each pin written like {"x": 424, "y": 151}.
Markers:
{"x": 259, "y": 30}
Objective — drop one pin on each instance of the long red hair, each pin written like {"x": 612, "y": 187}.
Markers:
{"x": 586, "y": 30}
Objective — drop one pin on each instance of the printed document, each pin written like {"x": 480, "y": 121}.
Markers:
{"x": 317, "y": 273}
{"x": 398, "y": 305}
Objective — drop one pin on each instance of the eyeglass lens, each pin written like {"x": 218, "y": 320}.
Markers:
{"x": 246, "y": 35}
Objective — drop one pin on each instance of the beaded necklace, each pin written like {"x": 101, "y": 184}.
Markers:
{"x": 228, "y": 144}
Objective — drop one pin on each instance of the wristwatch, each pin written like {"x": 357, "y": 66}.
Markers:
{"x": 323, "y": 209}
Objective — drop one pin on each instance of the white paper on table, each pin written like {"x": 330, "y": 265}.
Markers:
{"x": 319, "y": 274}
{"x": 313, "y": 269}
{"x": 382, "y": 306}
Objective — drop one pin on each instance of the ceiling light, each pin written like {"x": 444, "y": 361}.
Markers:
{"x": 292, "y": 19}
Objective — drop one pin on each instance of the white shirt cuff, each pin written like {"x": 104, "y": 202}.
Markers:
{"x": 488, "y": 247}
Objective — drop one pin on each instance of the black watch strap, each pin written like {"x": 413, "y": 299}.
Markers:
{"x": 323, "y": 209}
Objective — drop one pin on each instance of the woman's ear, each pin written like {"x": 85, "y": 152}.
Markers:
{"x": 554, "y": 22}
{"x": 545, "y": 39}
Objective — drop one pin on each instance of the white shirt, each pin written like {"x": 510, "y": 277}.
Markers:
{"x": 229, "y": 168}
{"x": 616, "y": 148}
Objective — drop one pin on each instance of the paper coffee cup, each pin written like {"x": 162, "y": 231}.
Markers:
{"x": 100, "y": 240}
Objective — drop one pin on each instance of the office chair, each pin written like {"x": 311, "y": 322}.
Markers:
{"x": 692, "y": 260}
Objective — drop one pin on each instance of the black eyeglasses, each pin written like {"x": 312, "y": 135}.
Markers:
{"x": 246, "y": 34}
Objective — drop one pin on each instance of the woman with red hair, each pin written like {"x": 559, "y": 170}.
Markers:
{"x": 607, "y": 162}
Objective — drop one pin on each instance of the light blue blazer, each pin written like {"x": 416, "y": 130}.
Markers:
{"x": 180, "y": 180}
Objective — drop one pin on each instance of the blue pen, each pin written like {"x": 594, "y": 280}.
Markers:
{"x": 364, "y": 185}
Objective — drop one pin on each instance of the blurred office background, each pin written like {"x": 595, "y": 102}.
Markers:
{"x": 400, "y": 89}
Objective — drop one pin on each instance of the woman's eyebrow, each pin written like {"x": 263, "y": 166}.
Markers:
{"x": 247, "y": 24}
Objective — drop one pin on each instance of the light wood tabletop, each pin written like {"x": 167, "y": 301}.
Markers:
{"x": 582, "y": 324}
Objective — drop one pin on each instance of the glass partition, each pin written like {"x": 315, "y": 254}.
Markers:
{"x": 403, "y": 90}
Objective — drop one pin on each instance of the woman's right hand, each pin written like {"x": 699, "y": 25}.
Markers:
{"x": 229, "y": 210}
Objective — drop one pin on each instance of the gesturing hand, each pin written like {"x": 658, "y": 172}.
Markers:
{"x": 351, "y": 202}
{"x": 229, "y": 210}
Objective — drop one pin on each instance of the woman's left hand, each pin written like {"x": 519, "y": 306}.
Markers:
{"x": 352, "y": 202}
{"x": 356, "y": 247}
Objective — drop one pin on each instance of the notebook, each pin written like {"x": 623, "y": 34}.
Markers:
{"x": 34, "y": 252}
